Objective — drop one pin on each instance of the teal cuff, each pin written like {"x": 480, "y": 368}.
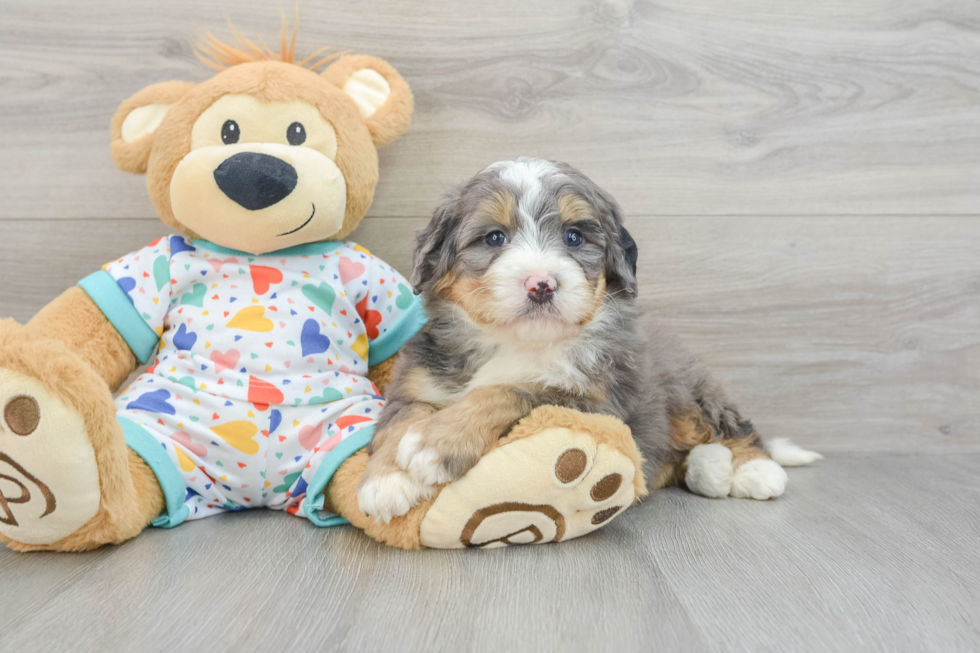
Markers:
{"x": 387, "y": 344}
{"x": 119, "y": 310}
{"x": 155, "y": 456}
{"x": 314, "y": 494}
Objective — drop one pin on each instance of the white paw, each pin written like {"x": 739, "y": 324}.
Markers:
{"x": 759, "y": 479}
{"x": 423, "y": 464}
{"x": 391, "y": 495}
{"x": 709, "y": 470}
{"x": 788, "y": 454}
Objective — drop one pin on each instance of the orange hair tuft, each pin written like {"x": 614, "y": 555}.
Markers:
{"x": 217, "y": 54}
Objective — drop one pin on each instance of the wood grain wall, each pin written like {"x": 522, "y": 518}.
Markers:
{"x": 803, "y": 179}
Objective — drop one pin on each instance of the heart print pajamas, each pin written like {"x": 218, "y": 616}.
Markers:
{"x": 259, "y": 390}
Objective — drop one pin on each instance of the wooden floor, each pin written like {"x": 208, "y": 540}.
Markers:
{"x": 865, "y": 552}
{"x": 803, "y": 181}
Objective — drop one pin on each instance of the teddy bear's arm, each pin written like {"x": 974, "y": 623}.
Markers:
{"x": 74, "y": 319}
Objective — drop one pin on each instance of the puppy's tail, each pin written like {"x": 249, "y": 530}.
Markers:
{"x": 788, "y": 454}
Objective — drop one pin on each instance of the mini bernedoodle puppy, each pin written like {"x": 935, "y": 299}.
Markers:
{"x": 529, "y": 281}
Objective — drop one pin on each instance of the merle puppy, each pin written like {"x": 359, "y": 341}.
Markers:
{"x": 529, "y": 281}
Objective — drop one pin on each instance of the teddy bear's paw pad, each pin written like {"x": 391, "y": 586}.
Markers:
{"x": 553, "y": 486}
{"x": 49, "y": 480}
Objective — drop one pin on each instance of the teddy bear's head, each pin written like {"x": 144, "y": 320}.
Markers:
{"x": 268, "y": 153}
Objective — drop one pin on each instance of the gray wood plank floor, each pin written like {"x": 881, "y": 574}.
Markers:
{"x": 870, "y": 553}
{"x": 802, "y": 180}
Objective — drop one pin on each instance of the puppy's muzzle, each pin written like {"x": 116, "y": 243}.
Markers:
{"x": 255, "y": 181}
{"x": 541, "y": 289}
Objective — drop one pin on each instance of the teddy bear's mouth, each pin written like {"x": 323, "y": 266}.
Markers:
{"x": 302, "y": 225}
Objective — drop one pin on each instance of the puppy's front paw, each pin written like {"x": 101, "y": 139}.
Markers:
{"x": 424, "y": 462}
{"x": 390, "y": 495}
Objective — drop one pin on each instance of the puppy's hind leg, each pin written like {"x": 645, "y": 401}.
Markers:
{"x": 715, "y": 452}
{"x": 716, "y": 466}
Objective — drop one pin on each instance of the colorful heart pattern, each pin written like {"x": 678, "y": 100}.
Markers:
{"x": 196, "y": 296}
{"x": 360, "y": 346}
{"x": 309, "y": 436}
{"x": 349, "y": 270}
{"x": 225, "y": 361}
{"x": 161, "y": 272}
{"x": 153, "y": 402}
{"x": 262, "y": 366}
{"x": 239, "y": 434}
{"x": 312, "y": 340}
{"x": 371, "y": 318}
{"x": 405, "y": 297}
{"x": 251, "y": 319}
{"x": 321, "y": 296}
{"x": 184, "y": 439}
{"x": 262, "y": 394}
{"x": 184, "y": 339}
{"x": 263, "y": 277}
{"x": 218, "y": 263}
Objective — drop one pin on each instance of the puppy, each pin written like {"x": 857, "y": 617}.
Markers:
{"x": 529, "y": 281}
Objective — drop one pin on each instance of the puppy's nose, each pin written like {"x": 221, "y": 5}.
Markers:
{"x": 540, "y": 289}
{"x": 255, "y": 181}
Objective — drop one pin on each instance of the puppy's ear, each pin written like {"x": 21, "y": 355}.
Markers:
{"x": 629, "y": 248}
{"x": 381, "y": 95}
{"x": 137, "y": 119}
{"x": 622, "y": 262}
{"x": 435, "y": 246}
{"x": 621, "y": 250}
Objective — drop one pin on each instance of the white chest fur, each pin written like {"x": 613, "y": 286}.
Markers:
{"x": 549, "y": 364}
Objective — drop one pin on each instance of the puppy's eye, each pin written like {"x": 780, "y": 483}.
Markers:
{"x": 496, "y": 239}
{"x": 230, "y": 133}
{"x": 296, "y": 134}
{"x": 573, "y": 238}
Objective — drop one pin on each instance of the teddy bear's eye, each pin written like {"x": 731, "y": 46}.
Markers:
{"x": 296, "y": 134}
{"x": 230, "y": 133}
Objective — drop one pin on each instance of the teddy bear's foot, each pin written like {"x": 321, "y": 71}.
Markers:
{"x": 559, "y": 476}
{"x": 68, "y": 482}
{"x": 49, "y": 479}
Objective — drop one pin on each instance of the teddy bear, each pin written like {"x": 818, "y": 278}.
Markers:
{"x": 269, "y": 339}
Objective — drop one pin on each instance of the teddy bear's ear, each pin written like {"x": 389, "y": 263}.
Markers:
{"x": 381, "y": 95}
{"x": 136, "y": 120}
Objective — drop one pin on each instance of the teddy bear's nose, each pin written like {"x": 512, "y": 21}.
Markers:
{"x": 256, "y": 181}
